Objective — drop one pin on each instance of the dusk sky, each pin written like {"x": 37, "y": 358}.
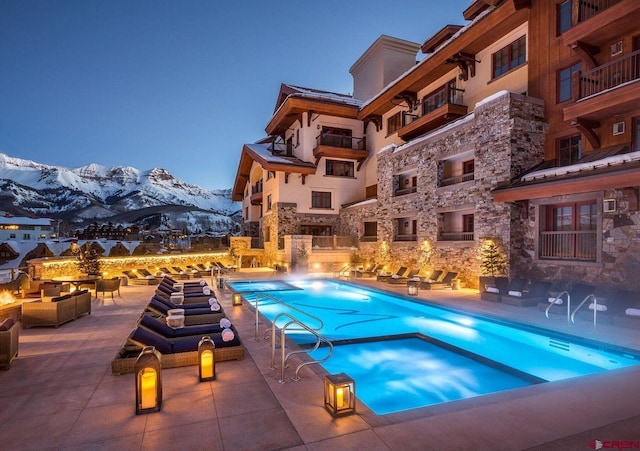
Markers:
{"x": 178, "y": 84}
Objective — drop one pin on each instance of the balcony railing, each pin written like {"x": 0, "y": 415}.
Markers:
{"x": 403, "y": 191}
{"x": 573, "y": 245}
{"x": 609, "y": 75}
{"x": 591, "y": 8}
{"x": 347, "y": 142}
{"x": 334, "y": 242}
{"x": 457, "y": 179}
{"x": 405, "y": 237}
{"x": 455, "y": 236}
{"x": 257, "y": 188}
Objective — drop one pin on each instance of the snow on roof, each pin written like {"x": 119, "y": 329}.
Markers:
{"x": 429, "y": 56}
{"x": 264, "y": 151}
{"x": 364, "y": 202}
{"x": 564, "y": 170}
{"x": 20, "y": 220}
{"x": 324, "y": 95}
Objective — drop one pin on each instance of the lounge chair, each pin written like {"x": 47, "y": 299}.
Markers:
{"x": 502, "y": 287}
{"x": 191, "y": 316}
{"x": 161, "y": 328}
{"x": 557, "y": 302}
{"x": 403, "y": 279}
{"x": 145, "y": 273}
{"x": 435, "y": 276}
{"x": 172, "y": 305}
{"x": 343, "y": 271}
{"x": 134, "y": 279}
{"x": 385, "y": 277}
{"x": 537, "y": 291}
{"x": 446, "y": 282}
{"x": 372, "y": 271}
{"x": 146, "y": 337}
{"x": 176, "y": 275}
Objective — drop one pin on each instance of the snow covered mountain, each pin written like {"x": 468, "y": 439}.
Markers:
{"x": 96, "y": 193}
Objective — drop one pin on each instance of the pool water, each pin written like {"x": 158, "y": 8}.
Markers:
{"x": 459, "y": 356}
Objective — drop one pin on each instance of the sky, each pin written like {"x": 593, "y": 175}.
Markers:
{"x": 179, "y": 85}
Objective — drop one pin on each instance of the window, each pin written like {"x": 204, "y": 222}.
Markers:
{"x": 563, "y": 17}
{"x": 406, "y": 184}
{"x": 456, "y": 226}
{"x": 320, "y": 199}
{"x": 468, "y": 167}
{"x": 336, "y": 137}
{"x": 467, "y": 223}
{"x": 565, "y": 86}
{"x": 290, "y": 146}
{"x": 316, "y": 230}
{"x": 12, "y": 236}
{"x": 406, "y": 229}
{"x": 569, "y": 150}
{"x": 510, "y": 57}
{"x": 269, "y": 200}
{"x": 370, "y": 231}
{"x": 246, "y": 212}
{"x": 271, "y": 174}
{"x": 339, "y": 168}
{"x": 394, "y": 123}
{"x": 26, "y": 236}
{"x": 267, "y": 234}
{"x": 569, "y": 231}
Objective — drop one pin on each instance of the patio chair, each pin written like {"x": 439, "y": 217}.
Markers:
{"x": 385, "y": 277}
{"x": 446, "y": 282}
{"x": 108, "y": 285}
{"x": 537, "y": 291}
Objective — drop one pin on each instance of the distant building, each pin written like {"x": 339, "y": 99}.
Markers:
{"x": 26, "y": 229}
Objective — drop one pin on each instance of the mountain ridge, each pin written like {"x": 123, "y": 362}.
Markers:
{"x": 96, "y": 193}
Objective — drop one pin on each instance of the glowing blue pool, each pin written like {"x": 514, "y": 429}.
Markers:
{"x": 443, "y": 355}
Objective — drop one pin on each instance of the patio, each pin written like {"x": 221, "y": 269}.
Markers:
{"x": 60, "y": 394}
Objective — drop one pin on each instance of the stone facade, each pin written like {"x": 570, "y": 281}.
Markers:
{"x": 504, "y": 136}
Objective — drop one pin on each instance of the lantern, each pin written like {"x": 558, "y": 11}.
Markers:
{"x": 412, "y": 287}
{"x": 148, "y": 381}
{"x": 237, "y": 299}
{"x": 339, "y": 394}
{"x": 207, "y": 359}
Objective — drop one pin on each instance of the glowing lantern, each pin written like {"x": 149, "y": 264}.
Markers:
{"x": 339, "y": 394}
{"x": 148, "y": 381}
{"x": 207, "y": 359}
{"x": 237, "y": 299}
{"x": 412, "y": 287}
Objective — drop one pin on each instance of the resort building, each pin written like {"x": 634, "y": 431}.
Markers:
{"x": 519, "y": 128}
{"x": 25, "y": 229}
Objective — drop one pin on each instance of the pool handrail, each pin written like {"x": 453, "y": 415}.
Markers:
{"x": 559, "y": 298}
{"x": 280, "y": 301}
{"x": 595, "y": 308}
{"x": 284, "y": 357}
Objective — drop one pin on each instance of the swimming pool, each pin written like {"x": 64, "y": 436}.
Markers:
{"x": 440, "y": 355}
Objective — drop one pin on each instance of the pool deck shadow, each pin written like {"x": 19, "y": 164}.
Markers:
{"x": 60, "y": 394}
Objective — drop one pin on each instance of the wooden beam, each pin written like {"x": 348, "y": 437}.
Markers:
{"x": 587, "y": 128}
{"x": 587, "y": 54}
{"x": 376, "y": 119}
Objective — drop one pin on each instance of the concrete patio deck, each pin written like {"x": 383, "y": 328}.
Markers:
{"x": 60, "y": 394}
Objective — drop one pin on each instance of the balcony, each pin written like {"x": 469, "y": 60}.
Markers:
{"x": 457, "y": 179}
{"x": 600, "y": 22}
{"x": 439, "y": 108}
{"x": 339, "y": 146}
{"x": 455, "y": 236}
{"x": 256, "y": 193}
{"x": 572, "y": 245}
{"x": 607, "y": 90}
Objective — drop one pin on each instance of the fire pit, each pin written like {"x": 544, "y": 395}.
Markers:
{"x": 9, "y": 306}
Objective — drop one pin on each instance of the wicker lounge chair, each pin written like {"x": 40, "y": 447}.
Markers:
{"x": 446, "y": 282}
{"x": 9, "y": 337}
{"x": 134, "y": 279}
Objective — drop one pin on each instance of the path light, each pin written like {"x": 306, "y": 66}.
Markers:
{"x": 413, "y": 287}
{"x": 207, "y": 359}
{"x": 339, "y": 394}
{"x": 237, "y": 299}
{"x": 148, "y": 381}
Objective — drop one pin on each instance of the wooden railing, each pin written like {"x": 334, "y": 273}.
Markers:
{"x": 457, "y": 179}
{"x": 609, "y": 75}
{"x": 455, "y": 236}
{"x": 573, "y": 245}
